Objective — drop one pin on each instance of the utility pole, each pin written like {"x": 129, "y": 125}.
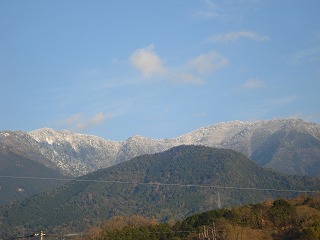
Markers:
{"x": 41, "y": 234}
{"x": 219, "y": 201}
{"x": 213, "y": 231}
{"x": 205, "y": 233}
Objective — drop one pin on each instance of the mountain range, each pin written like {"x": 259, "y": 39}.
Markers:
{"x": 290, "y": 146}
{"x": 168, "y": 185}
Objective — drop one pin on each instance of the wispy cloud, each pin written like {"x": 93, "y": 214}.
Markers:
{"x": 79, "y": 122}
{"x": 254, "y": 83}
{"x": 234, "y": 36}
{"x": 208, "y": 62}
{"x": 267, "y": 107}
{"x": 209, "y": 14}
{"x": 211, "y": 11}
{"x": 209, "y": 3}
{"x": 147, "y": 62}
{"x": 307, "y": 55}
{"x": 185, "y": 77}
{"x": 97, "y": 119}
{"x": 282, "y": 101}
{"x": 72, "y": 119}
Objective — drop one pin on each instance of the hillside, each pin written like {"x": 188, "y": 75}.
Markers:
{"x": 167, "y": 185}
{"x": 14, "y": 188}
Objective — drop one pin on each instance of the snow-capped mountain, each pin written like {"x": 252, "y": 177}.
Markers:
{"x": 76, "y": 154}
{"x": 287, "y": 145}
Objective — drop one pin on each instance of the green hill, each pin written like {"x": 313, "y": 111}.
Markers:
{"x": 14, "y": 188}
{"x": 166, "y": 186}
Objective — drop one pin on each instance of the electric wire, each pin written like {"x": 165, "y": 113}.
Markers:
{"x": 164, "y": 184}
{"x": 147, "y": 184}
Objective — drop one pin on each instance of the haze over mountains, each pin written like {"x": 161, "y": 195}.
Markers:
{"x": 290, "y": 146}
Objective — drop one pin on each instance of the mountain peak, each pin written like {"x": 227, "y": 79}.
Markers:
{"x": 78, "y": 154}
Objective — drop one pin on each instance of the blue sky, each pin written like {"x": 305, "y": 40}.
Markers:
{"x": 156, "y": 68}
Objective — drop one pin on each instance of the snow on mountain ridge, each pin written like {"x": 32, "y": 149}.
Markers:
{"x": 77, "y": 154}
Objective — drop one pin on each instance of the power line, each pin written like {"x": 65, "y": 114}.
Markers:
{"x": 164, "y": 184}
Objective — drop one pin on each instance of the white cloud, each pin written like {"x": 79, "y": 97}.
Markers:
{"x": 208, "y": 62}
{"x": 97, "y": 119}
{"x": 253, "y": 84}
{"x": 80, "y": 123}
{"x": 234, "y": 36}
{"x": 147, "y": 62}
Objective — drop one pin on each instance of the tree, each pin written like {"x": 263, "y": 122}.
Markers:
{"x": 282, "y": 213}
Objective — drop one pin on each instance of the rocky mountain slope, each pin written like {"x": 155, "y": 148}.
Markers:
{"x": 168, "y": 185}
{"x": 288, "y": 145}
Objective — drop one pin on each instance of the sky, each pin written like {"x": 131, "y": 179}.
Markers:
{"x": 159, "y": 69}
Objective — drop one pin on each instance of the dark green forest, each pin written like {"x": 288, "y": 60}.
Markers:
{"x": 166, "y": 186}
{"x": 14, "y": 188}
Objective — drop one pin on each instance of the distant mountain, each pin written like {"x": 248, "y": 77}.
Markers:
{"x": 290, "y": 146}
{"x": 168, "y": 185}
{"x": 14, "y": 169}
{"x": 23, "y": 144}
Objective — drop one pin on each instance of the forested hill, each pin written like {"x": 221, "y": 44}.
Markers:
{"x": 14, "y": 168}
{"x": 168, "y": 185}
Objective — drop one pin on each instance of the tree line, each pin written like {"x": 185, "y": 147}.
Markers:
{"x": 297, "y": 218}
